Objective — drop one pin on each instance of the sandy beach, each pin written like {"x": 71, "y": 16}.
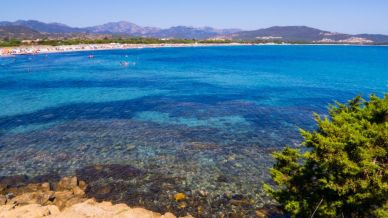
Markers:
{"x": 43, "y": 49}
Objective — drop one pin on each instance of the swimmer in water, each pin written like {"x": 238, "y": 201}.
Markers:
{"x": 91, "y": 56}
{"x": 124, "y": 63}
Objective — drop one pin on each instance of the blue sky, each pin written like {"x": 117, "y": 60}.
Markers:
{"x": 348, "y": 16}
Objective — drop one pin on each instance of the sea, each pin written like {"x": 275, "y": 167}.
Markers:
{"x": 141, "y": 125}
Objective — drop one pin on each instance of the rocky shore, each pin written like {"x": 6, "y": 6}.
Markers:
{"x": 65, "y": 198}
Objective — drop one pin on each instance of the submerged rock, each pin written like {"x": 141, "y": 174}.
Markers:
{"x": 180, "y": 196}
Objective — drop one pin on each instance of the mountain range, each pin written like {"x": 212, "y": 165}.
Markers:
{"x": 123, "y": 28}
{"x": 30, "y": 29}
{"x": 19, "y": 32}
{"x": 304, "y": 34}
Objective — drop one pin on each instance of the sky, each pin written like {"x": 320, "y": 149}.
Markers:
{"x": 346, "y": 16}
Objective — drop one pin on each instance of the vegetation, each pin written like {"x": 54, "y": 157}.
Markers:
{"x": 78, "y": 40}
{"x": 111, "y": 40}
{"x": 341, "y": 169}
{"x": 9, "y": 43}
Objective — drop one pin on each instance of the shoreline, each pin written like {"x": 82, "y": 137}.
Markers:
{"x": 47, "y": 49}
{"x": 71, "y": 196}
{"x": 66, "y": 197}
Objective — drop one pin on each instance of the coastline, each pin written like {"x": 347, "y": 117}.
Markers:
{"x": 47, "y": 49}
{"x": 69, "y": 196}
{"x": 64, "y": 198}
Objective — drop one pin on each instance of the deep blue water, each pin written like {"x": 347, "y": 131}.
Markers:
{"x": 199, "y": 114}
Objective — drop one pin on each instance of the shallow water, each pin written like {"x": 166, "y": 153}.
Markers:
{"x": 202, "y": 121}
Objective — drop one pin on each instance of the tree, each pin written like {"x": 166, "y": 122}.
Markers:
{"x": 340, "y": 169}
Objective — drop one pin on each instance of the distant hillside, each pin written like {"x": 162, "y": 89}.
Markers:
{"x": 377, "y": 38}
{"x": 287, "y": 33}
{"x": 43, "y": 27}
{"x": 18, "y": 32}
{"x": 184, "y": 32}
{"x": 123, "y": 28}
{"x": 178, "y": 32}
{"x": 303, "y": 34}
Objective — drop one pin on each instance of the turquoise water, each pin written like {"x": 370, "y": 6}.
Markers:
{"x": 199, "y": 119}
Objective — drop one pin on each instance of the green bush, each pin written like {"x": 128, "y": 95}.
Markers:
{"x": 341, "y": 169}
{"x": 10, "y": 43}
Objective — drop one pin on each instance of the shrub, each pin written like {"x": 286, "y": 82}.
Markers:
{"x": 340, "y": 170}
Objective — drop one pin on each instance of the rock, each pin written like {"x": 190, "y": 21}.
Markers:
{"x": 67, "y": 183}
{"x": 103, "y": 190}
{"x": 261, "y": 214}
{"x": 238, "y": 165}
{"x": 203, "y": 193}
{"x": 2, "y": 187}
{"x": 24, "y": 199}
{"x": 72, "y": 201}
{"x": 180, "y": 196}
{"x": 167, "y": 186}
{"x": 90, "y": 208}
{"x": 27, "y": 211}
{"x": 3, "y": 200}
{"x": 83, "y": 147}
{"x": 98, "y": 167}
{"x": 237, "y": 197}
{"x": 84, "y": 209}
{"x": 182, "y": 205}
{"x": 9, "y": 195}
{"x": 61, "y": 198}
{"x": 240, "y": 202}
{"x": 131, "y": 147}
{"x": 45, "y": 186}
{"x": 63, "y": 195}
{"x": 141, "y": 212}
{"x": 203, "y": 146}
{"x": 82, "y": 185}
{"x": 78, "y": 191}
{"x": 222, "y": 178}
{"x": 31, "y": 198}
{"x": 13, "y": 180}
{"x": 168, "y": 215}
{"x": 200, "y": 210}
{"x": 44, "y": 197}
{"x": 39, "y": 201}
{"x": 32, "y": 188}
{"x": 14, "y": 191}
{"x": 269, "y": 211}
{"x": 231, "y": 157}
{"x": 60, "y": 203}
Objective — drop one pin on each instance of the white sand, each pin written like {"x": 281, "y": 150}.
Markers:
{"x": 41, "y": 49}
